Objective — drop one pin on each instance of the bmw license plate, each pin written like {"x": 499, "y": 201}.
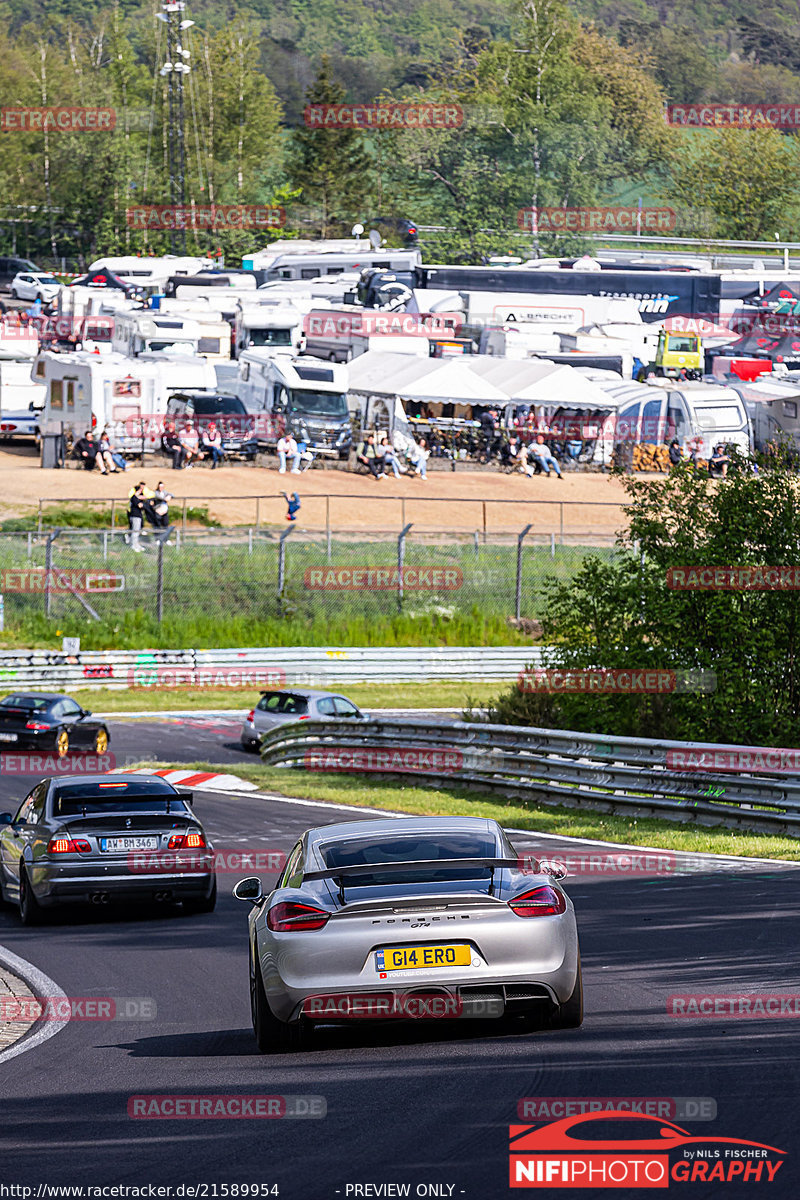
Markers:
{"x": 115, "y": 844}
{"x": 415, "y": 958}
{"x": 8, "y": 737}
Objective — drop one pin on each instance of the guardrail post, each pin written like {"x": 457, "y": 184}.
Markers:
{"x": 401, "y": 555}
{"x": 520, "y": 539}
{"x": 282, "y": 562}
{"x": 160, "y": 582}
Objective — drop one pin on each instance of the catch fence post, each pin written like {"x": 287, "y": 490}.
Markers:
{"x": 401, "y": 555}
{"x": 520, "y": 539}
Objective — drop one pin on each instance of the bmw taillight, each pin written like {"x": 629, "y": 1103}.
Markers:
{"x": 186, "y": 841}
{"x": 544, "y": 901}
{"x": 38, "y": 726}
{"x": 64, "y": 845}
{"x": 286, "y": 917}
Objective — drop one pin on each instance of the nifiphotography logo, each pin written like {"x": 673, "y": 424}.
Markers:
{"x": 623, "y": 1149}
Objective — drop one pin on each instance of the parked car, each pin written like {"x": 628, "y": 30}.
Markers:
{"x": 80, "y": 839}
{"x": 369, "y": 916}
{"x": 236, "y": 424}
{"x": 11, "y": 267}
{"x": 294, "y": 704}
{"x": 35, "y": 285}
{"x": 44, "y": 721}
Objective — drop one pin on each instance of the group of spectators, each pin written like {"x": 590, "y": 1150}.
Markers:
{"x": 186, "y": 446}
{"x": 718, "y": 462}
{"x": 380, "y": 457}
{"x": 145, "y": 505}
{"x": 99, "y": 452}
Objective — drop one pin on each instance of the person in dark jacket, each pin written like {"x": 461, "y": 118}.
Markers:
{"x": 86, "y": 449}
{"x": 675, "y": 453}
{"x": 170, "y": 444}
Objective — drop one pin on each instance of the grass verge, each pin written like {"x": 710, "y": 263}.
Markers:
{"x": 439, "y": 694}
{"x": 454, "y": 801}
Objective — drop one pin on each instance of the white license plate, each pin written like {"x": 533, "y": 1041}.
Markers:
{"x": 117, "y": 844}
{"x": 8, "y": 737}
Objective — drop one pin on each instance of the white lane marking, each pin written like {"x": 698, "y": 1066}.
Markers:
{"x": 44, "y": 988}
{"x": 531, "y": 833}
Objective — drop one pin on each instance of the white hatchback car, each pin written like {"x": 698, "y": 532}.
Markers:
{"x": 30, "y": 285}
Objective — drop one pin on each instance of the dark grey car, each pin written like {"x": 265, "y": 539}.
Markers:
{"x": 80, "y": 839}
{"x": 279, "y": 707}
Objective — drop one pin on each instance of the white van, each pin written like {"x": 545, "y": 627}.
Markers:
{"x": 142, "y": 331}
{"x": 268, "y": 325}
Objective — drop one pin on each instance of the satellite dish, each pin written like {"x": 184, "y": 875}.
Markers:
{"x": 375, "y": 239}
{"x": 357, "y": 230}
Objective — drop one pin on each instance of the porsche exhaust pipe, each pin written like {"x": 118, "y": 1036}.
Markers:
{"x": 99, "y": 897}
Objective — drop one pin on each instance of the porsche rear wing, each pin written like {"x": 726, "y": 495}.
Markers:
{"x": 340, "y": 874}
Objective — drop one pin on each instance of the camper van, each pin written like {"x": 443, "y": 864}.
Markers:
{"x": 271, "y": 325}
{"x": 130, "y": 396}
{"x": 21, "y": 397}
{"x": 309, "y": 260}
{"x": 151, "y": 271}
{"x": 143, "y": 331}
{"x": 306, "y": 396}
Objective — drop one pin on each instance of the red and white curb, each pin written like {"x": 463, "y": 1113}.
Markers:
{"x": 210, "y": 780}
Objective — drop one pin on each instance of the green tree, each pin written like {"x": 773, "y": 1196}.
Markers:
{"x": 622, "y": 614}
{"x": 331, "y": 166}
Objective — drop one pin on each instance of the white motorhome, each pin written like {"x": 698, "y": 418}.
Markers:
{"x": 309, "y": 260}
{"x": 272, "y": 324}
{"x": 84, "y": 391}
{"x": 305, "y": 396}
{"x": 153, "y": 271}
{"x": 21, "y": 396}
{"x": 143, "y": 331}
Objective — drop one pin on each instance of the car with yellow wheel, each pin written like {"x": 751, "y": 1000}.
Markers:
{"x": 51, "y": 722}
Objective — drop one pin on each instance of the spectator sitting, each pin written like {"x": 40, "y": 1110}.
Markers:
{"x": 366, "y": 454}
{"x": 718, "y": 463}
{"x": 287, "y": 448}
{"x": 541, "y": 452}
{"x": 106, "y": 451}
{"x": 675, "y": 453}
{"x": 212, "y": 444}
{"x": 389, "y": 456}
{"x": 87, "y": 450}
{"x": 171, "y": 444}
{"x": 190, "y": 444}
{"x": 418, "y": 458}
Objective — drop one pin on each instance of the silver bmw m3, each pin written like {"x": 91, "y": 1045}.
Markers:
{"x": 409, "y": 917}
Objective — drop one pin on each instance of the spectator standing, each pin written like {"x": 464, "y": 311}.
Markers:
{"x": 287, "y": 448}
{"x": 161, "y": 499}
{"x": 190, "y": 445}
{"x": 212, "y": 444}
{"x": 136, "y": 508}
{"x": 86, "y": 449}
{"x": 171, "y": 445}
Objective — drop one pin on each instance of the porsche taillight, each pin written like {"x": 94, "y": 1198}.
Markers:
{"x": 543, "y": 901}
{"x": 287, "y": 917}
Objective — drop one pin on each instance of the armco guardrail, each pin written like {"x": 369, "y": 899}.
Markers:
{"x": 299, "y": 666}
{"x": 612, "y": 774}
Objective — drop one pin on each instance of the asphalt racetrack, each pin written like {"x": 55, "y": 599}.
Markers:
{"x": 427, "y": 1105}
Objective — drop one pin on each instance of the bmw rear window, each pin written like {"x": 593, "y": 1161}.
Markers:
{"x": 412, "y": 848}
{"x": 76, "y": 799}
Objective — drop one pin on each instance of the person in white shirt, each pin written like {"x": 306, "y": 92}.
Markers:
{"x": 287, "y": 448}
{"x": 418, "y": 458}
{"x": 190, "y": 444}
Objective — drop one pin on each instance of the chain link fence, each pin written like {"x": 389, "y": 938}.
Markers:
{"x": 212, "y": 576}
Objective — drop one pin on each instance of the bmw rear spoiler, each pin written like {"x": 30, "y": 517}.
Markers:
{"x": 339, "y": 874}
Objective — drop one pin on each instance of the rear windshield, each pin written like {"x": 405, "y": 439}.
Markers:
{"x": 412, "y": 848}
{"x": 210, "y": 405}
{"x": 283, "y": 702}
{"x": 73, "y": 800}
{"x": 31, "y": 703}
